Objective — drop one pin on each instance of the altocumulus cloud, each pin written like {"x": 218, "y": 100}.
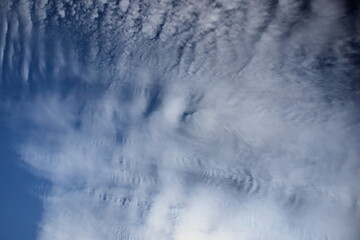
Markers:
{"x": 187, "y": 120}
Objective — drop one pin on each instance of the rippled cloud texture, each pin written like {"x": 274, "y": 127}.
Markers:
{"x": 187, "y": 120}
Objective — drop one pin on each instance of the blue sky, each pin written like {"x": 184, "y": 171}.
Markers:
{"x": 20, "y": 204}
{"x": 175, "y": 120}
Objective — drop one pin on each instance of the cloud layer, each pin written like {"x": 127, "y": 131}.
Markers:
{"x": 187, "y": 120}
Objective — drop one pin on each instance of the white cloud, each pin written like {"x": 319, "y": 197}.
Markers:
{"x": 201, "y": 134}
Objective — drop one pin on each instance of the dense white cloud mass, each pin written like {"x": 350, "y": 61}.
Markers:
{"x": 188, "y": 120}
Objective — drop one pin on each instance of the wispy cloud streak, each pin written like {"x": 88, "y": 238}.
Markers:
{"x": 188, "y": 120}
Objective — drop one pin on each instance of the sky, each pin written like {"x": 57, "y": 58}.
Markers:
{"x": 179, "y": 120}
